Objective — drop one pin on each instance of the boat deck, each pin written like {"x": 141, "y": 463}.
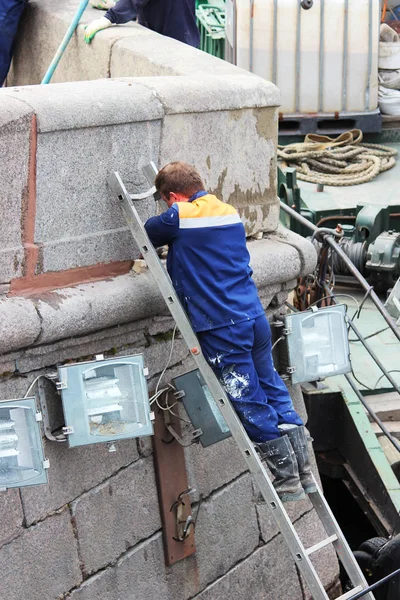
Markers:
{"x": 385, "y": 345}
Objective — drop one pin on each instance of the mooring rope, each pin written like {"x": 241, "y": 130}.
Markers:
{"x": 337, "y": 161}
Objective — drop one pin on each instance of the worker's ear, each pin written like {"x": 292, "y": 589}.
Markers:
{"x": 173, "y": 198}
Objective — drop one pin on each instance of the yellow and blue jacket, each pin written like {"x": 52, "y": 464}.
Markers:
{"x": 208, "y": 261}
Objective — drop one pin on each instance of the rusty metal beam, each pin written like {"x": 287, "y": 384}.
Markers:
{"x": 171, "y": 478}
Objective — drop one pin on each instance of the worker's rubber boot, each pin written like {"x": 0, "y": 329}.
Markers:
{"x": 281, "y": 459}
{"x": 299, "y": 438}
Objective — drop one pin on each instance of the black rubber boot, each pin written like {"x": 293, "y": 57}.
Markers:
{"x": 281, "y": 459}
{"x": 299, "y": 438}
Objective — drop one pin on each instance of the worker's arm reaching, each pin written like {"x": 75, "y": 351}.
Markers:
{"x": 172, "y": 18}
{"x": 94, "y": 27}
{"x": 117, "y": 14}
{"x": 163, "y": 230}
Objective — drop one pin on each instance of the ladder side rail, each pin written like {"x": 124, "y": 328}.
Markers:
{"x": 246, "y": 447}
{"x": 341, "y": 546}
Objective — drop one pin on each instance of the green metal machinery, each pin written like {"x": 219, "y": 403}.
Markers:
{"x": 211, "y": 24}
{"x": 371, "y": 231}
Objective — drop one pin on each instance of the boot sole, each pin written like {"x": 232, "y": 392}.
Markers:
{"x": 293, "y": 497}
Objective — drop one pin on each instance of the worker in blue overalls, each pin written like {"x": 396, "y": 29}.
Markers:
{"x": 10, "y": 13}
{"x": 208, "y": 263}
{"x": 173, "y": 18}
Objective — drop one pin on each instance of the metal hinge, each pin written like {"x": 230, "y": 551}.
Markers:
{"x": 145, "y": 371}
{"x": 38, "y": 416}
{"x": 179, "y": 394}
{"x": 68, "y": 430}
{"x": 46, "y": 463}
{"x": 291, "y": 370}
{"x": 287, "y": 331}
{"x": 61, "y": 385}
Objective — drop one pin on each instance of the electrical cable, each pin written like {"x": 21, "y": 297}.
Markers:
{"x": 360, "y": 382}
{"x": 277, "y": 342}
{"x": 333, "y": 295}
{"x": 35, "y": 381}
{"x": 367, "y": 337}
{"x": 169, "y": 359}
{"x": 382, "y": 376}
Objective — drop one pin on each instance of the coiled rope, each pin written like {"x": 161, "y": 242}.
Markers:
{"x": 337, "y": 161}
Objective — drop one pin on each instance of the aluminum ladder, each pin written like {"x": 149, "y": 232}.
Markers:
{"x": 300, "y": 554}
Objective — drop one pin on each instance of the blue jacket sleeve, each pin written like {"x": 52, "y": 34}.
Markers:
{"x": 162, "y": 230}
{"x": 124, "y": 11}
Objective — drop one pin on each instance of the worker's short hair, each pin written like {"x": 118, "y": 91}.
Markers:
{"x": 180, "y": 178}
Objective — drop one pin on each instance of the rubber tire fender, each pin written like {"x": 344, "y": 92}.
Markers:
{"x": 373, "y": 545}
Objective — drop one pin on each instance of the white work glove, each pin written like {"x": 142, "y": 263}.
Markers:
{"x": 94, "y": 27}
{"x": 102, "y": 4}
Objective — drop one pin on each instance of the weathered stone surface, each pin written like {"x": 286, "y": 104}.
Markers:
{"x": 11, "y": 516}
{"x": 41, "y": 563}
{"x": 151, "y": 56}
{"x": 311, "y": 531}
{"x": 226, "y": 532}
{"x": 305, "y": 249}
{"x": 186, "y": 365}
{"x": 116, "y": 342}
{"x": 15, "y": 130}
{"x": 268, "y": 527}
{"x": 156, "y": 355}
{"x": 233, "y": 91}
{"x": 91, "y": 104}
{"x": 139, "y": 574}
{"x": 72, "y": 472}
{"x": 19, "y": 323}
{"x": 270, "y": 259}
{"x": 248, "y": 133}
{"x": 80, "y": 251}
{"x": 117, "y": 515}
{"x": 213, "y": 467}
{"x": 268, "y": 574}
{"x": 161, "y": 325}
{"x": 92, "y": 215}
{"x": 4, "y": 288}
{"x": 86, "y": 308}
{"x": 11, "y": 262}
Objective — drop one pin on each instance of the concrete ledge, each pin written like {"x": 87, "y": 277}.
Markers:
{"x": 87, "y": 104}
{"x": 77, "y": 311}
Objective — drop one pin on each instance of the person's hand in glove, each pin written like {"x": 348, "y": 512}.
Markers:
{"x": 102, "y": 4}
{"x": 94, "y": 27}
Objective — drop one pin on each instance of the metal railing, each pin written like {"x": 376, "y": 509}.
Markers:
{"x": 328, "y": 237}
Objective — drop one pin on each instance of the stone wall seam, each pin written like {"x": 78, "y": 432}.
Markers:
{"x": 234, "y": 566}
{"x": 78, "y": 546}
{"x": 24, "y": 529}
{"x": 104, "y": 482}
{"x": 67, "y": 505}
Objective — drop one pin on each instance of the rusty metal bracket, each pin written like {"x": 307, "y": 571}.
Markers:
{"x": 172, "y": 485}
{"x": 183, "y": 523}
{"x": 196, "y": 433}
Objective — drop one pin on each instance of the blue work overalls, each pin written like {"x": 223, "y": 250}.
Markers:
{"x": 173, "y": 18}
{"x": 208, "y": 263}
{"x": 10, "y": 13}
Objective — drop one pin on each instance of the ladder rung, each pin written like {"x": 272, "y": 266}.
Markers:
{"x": 351, "y": 593}
{"x": 322, "y": 544}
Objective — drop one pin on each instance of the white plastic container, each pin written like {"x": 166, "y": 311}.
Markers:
{"x": 324, "y": 60}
